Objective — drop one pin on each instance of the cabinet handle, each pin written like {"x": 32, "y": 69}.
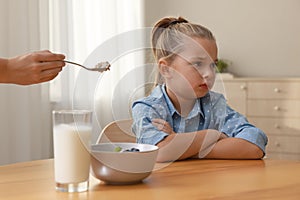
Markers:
{"x": 276, "y": 108}
{"x": 277, "y": 126}
{"x": 277, "y": 90}
{"x": 243, "y": 87}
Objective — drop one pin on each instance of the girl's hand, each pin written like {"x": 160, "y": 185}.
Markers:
{"x": 223, "y": 136}
{"x": 162, "y": 125}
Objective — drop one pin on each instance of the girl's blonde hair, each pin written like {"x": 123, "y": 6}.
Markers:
{"x": 168, "y": 36}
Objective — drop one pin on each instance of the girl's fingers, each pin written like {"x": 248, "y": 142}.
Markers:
{"x": 161, "y": 121}
{"x": 158, "y": 126}
{"x": 157, "y": 120}
{"x": 162, "y": 125}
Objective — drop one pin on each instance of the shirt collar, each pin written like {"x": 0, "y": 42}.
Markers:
{"x": 196, "y": 109}
{"x": 168, "y": 100}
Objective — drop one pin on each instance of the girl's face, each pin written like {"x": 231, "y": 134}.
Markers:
{"x": 191, "y": 74}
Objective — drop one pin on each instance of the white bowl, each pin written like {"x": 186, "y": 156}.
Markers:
{"x": 122, "y": 167}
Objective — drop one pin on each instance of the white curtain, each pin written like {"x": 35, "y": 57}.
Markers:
{"x": 93, "y": 31}
{"x": 25, "y": 113}
{"x": 76, "y": 28}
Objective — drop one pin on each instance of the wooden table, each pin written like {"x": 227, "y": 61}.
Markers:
{"x": 191, "y": 179}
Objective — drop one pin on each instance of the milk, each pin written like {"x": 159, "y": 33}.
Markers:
{"x": 71, "y": 152}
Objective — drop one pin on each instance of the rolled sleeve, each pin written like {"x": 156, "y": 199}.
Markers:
{"x": 236, "y": 125}
{"x": 255, "y": 136}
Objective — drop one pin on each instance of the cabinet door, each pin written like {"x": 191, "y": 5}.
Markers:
{"x": 235, "y": 93}
{"x": 283, "y": 144}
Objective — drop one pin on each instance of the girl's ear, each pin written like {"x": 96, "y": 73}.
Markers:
{"x": 164, "y": 68}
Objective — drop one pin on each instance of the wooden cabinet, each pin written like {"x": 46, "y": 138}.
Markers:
{"x": 273, "y": 105}
{"x": 235, "y": 92}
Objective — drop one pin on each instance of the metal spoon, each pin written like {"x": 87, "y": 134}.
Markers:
{"x": 100, "y": 67}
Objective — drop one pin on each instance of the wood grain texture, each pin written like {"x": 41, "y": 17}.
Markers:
{"x": 190, "y": 179}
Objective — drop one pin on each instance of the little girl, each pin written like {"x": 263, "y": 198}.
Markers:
{"x": 181, "y": 115}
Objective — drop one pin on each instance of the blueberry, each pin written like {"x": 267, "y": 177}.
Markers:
{"x": 132, "y": 150}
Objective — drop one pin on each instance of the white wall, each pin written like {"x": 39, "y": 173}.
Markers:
{"x": 260, "y": 37}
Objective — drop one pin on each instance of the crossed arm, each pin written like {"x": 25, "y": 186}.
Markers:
{"x": 203, "y": 144}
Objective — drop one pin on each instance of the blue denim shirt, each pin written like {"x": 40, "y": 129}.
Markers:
{"x": 209, "y": 112}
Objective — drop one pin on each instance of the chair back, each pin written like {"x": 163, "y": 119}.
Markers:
{"x": 117, "y": 131}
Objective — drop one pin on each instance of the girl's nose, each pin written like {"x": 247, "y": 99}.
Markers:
{"x": 205, "y": 73}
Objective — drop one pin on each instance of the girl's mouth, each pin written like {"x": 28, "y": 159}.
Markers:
{"x": 204, "y": 85}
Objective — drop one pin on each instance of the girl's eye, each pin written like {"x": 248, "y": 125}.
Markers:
{"x": 197, "y": 64}
{"x": 200, "y": 64}
{"x": 213, "y": 65}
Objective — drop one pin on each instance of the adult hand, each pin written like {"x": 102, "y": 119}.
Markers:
{"x": 32, "y": 68}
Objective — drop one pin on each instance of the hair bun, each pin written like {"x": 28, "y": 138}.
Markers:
{"x": 169, "y": 21}
{"x": 174, "y": 21}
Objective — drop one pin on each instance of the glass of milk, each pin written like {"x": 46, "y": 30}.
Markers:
{"x": 71, "y": 138}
